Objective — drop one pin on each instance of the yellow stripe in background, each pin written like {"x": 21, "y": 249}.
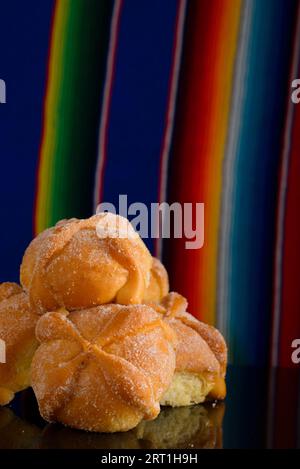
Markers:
{"x": 223, "y": 80}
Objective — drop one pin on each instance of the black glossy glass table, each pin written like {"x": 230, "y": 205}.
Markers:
{"x": 262, "y": 410}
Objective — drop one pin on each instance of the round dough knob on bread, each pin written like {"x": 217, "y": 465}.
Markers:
{"x": 84, "y": 263}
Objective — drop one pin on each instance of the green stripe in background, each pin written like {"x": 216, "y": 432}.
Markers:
{"x": 72, "y": 111}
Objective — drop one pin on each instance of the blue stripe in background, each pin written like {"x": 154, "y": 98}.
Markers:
{"x": 259, "y": 149}
{"x": 139, "y": 101}
{"x": 24, "y": 42}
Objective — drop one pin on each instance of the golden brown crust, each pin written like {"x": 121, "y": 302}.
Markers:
{"x": 83, "y": 263}
{"x": 102, "y": 369}
{"x": 193, "y": 354}
{"x": 159, "y": 283}
{"x": 211, "y": 336}
{"x": 201, "y": 349}
{"x": 17, "y": 326}
{"x": 8, "y": 289}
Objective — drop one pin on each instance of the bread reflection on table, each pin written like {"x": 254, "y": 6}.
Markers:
{"x": 185, "y": 427}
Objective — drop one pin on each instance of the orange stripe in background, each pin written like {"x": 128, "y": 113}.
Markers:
{"x": 199, "y": 144}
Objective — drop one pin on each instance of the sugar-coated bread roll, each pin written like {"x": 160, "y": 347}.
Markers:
{"x": 17, "y": 330}
{"x": 158, "y": 286}
{"x": 102, "y": 369}
{"x": 83, "y": 263}
{"x": 201, "y": 356}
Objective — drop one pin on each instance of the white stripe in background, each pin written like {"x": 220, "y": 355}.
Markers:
{"x": 171, "y": 111}
{"x": 111, "y": 59}
{"x": 229, "y": 163}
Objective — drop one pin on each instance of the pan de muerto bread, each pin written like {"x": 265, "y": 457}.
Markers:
{"x": 83, "y": 263}
{"x": 102, "y": 369}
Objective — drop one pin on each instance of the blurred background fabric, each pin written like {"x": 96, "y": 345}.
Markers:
{"x": 177, "y": 101}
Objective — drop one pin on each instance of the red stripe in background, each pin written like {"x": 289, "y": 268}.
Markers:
{"x": 284, "y": 384}
{"x": 191, "y": 141}
{"x": 282, "y": 199}
{"x": 285, "y": 388}
{"x": 290, "y": 298}
{"x": 286, "y": 416}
